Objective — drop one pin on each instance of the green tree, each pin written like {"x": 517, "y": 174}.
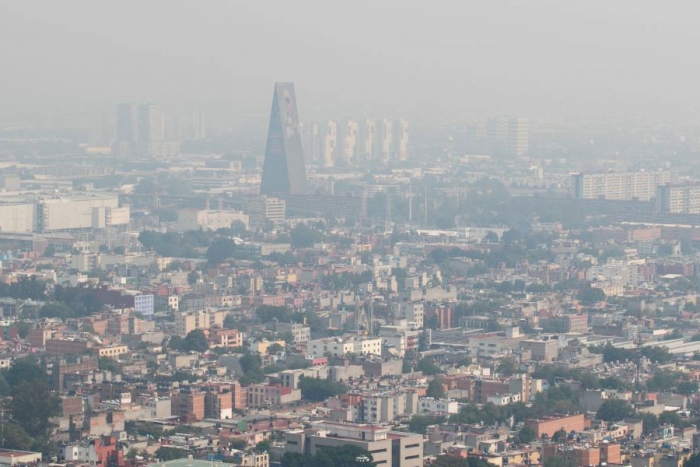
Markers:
{"x": 428, "y": 366}
{"x": 262, "y": 446}
{"x": 268, "y": 313}
{"x": 23, "y": 328}
{"x": 165, "y": 454}
{"x": 692, "y": 461}
{"x": 250, "y": 362}
{"x": 612, "y": 382}
{"x": 176, "y": 343}
{"x": 193, "y": 277}
{"x": 687, "y": 387}
{"x": 526, "y": 435}
{"x": 31, "y": 407}
{"x": 150, "y": 429}
{"x": 57, "y": 310}
{"x": 657, "y": 354}
{"x": 650, "y": 423}
{"x": 304, "y": 236}
{"x": 665, "y": 249}
{"x": 25, "y": 369}
{"x": 5, "y": 389}
{"x": 590, "y": 295}
{"x": 663, "y": 381}
{"x": 420, "y": 423}
{"x": 559, "y": 436}
{"x": 240, "y": 444}
{"x": 435, "y": 389}
{"x": 220, "y": 250}
{"x": 230, "y": 322}
{"x": 614, "y": 410}
{"x": 109, "y": 364}
{"x": 195, "y": 341}
{"x": 317, "y": 389}
{"x": 507, "y": 367}
{"x": 670, "y": 418}
{"x": 274, "y": 348}
{"x": 14, "y": 437}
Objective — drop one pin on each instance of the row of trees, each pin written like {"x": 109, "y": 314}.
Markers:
{"x": 219, "y": 247}
{"x": 612, "y": 354}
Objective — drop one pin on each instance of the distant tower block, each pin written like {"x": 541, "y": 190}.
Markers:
{"x": 284, "y": 171}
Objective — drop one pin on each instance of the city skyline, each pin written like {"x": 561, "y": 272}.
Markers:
{"x": 442, "y": 57}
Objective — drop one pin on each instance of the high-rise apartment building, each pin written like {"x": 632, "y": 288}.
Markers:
{"x": 151, "y": 124}
{"x": 126, "y": 131}
{"x": 141, "y": 131}
{"x": 313, "y": 143}
{"x": 344, "y": 142}
{"x": 678, "y": 199}
{"x": 284, "y": 171}
{"x": 330, "y": 143}
{"x": 367, "y": 130}
{"x": 198, "y": 127}
{"x": 400, "y": 140}
{"x": 518, "y": 141}
{"x": 507, "y": 137}
{"x": 641, "y": 186}
{"x": 126, "y": 123}
{"x": 383, "y": 141}
{"x": 348, "y": 138}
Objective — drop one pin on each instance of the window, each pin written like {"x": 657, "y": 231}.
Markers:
{"x": 411, "y": 446}
{"x": 412, "y": 457}
{"x": 378, "y": 450}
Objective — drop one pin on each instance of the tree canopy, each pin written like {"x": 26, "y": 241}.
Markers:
{"x": 614, "y": 410}
{"x": 428, "y": 366}
{"x": 435, "y": 389}
{"x": 317, "y": 389}
{"x": 220, "y": 250}
{"x": 194, "y": 341}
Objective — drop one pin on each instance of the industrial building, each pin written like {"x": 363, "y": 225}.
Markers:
{"x": 39, "y": 212}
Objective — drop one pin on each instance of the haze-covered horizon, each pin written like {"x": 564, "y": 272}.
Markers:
{"x": 424, "y": 61}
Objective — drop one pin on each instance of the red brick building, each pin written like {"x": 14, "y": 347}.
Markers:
{"x": 550, "y": 425}
{"x": 189, "y": 406}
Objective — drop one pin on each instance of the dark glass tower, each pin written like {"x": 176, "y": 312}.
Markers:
{"x": 284, "y": 171}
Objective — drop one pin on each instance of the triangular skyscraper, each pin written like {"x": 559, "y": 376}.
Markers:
{"x": 283, "y": 170}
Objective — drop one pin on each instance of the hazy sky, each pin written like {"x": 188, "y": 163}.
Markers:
{"x": 433, "y": 60}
